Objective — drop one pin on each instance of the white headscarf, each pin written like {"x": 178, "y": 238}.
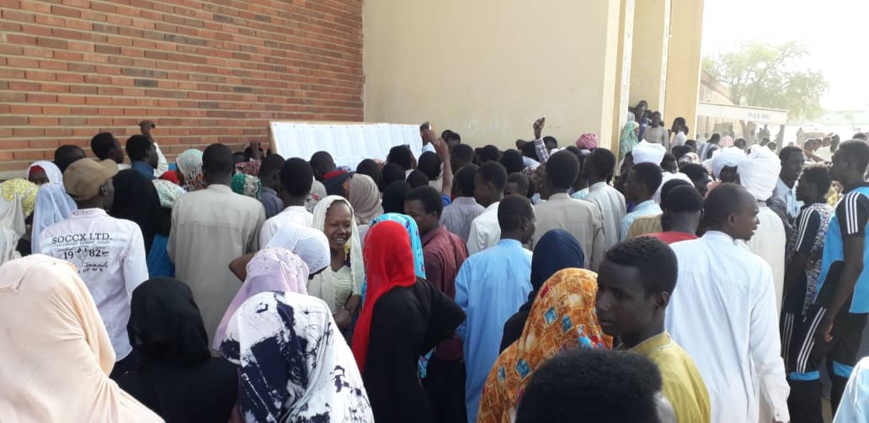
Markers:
{"x": 759, "y": 171}
{"x": 53, "y": 204}
{"x": 309, "y": 244}
{"x": 648, "y": 152}
{"x": 294, "y": 365}
{"x": 326, "y": 280}
{"x": 55, "y": 176}
{"x": 17, "y": 199}
{"x": 728, "y": 157}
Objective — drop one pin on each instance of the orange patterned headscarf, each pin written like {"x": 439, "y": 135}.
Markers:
{"x": 561, "y": 318}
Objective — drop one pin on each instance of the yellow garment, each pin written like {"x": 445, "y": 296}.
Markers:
{"x": 56, "y": 354}
{"x": 645, "y": 225}
{"x": 561, "y": 317}
{"x": 683, "y": 385}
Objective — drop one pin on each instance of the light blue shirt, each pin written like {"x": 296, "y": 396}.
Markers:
{"x": 646, "y": 208}
{"x": 580, "y": 195}
{"x": 490, "y": 287}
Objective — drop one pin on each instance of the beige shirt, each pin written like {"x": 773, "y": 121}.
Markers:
{"x": 210, "y": 228}
{"x": 578, "y": 217}
{"x": 611, "y": 204}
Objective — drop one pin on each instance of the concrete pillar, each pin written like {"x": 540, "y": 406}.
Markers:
{"x": 650, "y": 52}
{"x": 623, "y": 71}
{"x": 683, "y": 68}
{"x": 487, "y": 69}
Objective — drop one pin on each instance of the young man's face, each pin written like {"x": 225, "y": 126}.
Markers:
{"x": 745, "y": 221}
{"x": 792, "y": 166}
{"x": 623, "y": 307}
{"x": 425, "y": 221}
{"x": 840, "y": 169}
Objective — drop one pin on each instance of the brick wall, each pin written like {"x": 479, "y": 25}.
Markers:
{"x": 204, "y": 71}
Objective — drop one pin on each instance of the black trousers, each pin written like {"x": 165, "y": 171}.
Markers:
{"x": 803, "y": 358}
{"x": 128, "y": 364}
{"x": 445, "y": 385}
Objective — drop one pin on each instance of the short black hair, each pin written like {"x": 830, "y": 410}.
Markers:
{"x": 654, "y": 260}
{"x": 66, "y": 155}
{"x": 512, "y": 161}
{"x": 682, "y": 199}
{"x": 715, "y": 138}
{"x": 672, "y": 184}
{"x": 694, "y": 170}
{"x": 855, "y": 152}
{"x": 430, "y": 164}
{"x": 860, "y": 136}
{"x": 786, "y": 152}
{"x": 451, "y": 136}
{"x": 371, "y": 169}
{"x": 390, "y": 173}
{"x": 552, "y": 140}
{"x": 400, "y": 155}
{"x": 429, "y": 197}
{"x": 494, "y": 173}
{"x": 297, "y": 176}
{"x": 322, "y": 162}
{"x": 604, "y": 162}
{"x": 513, "y": 211}
{"x": 528, "y": 150}
{"x": 818, "y": 175}
{"x": 489, "y": 153}
{"x": 670, "y": 160}
{"x": 137, "y": 147}
{"x": 217, "y": 160}
{"x": 270, "y": 165}
{"x": 417, "y": 179}
{"x": 603, "y": 387}
{"x": 393, "y": 197}
{"x": 723, "y": 201}
{"x": 649, "y": 174}
{"x": 462, "y": 154}
{"x": 102, "y": 144}
{"x": 562, "y": 168}
{"x": 520, "y": 180}
{"x": 465, "y": 179}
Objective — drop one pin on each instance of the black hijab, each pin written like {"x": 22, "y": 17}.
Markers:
{"x": 165, "y": 324}
{"x": 136, "y": 199}
{"x": 557, "y": 250}
{"x": 393, "y": 197}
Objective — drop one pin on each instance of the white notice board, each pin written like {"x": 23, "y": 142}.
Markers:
{"x": 348, "y": 143}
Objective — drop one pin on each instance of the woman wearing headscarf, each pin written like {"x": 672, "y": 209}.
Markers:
{"x": 562, "y": 317}
{"x": 557, "y": 250}
{"x": 178, "y": 379}
{"x": 293, "y": 364}
{"x": 271, "y": 269}
{"x": 136, "y": 199}
{"x": 53, "y": 204}
{"x": 190, "y": 170}
{"x": 403, "y": 317}
{"x": 17, "y": 201}
{"x": 628, "y": 138}
{"x": 587, "y": 142}
{"x": 340, "y": 285}
{"x": 309, "y": 244}
{"x": 246, "y": 185}
{"x": 56, "y": 353}
{"x": 44, "y": 172}
{"x": 159, "y": 263}
{"x": 364, "y": 196}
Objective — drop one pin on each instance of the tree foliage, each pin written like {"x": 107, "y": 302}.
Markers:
{"x": 764, "y": 75}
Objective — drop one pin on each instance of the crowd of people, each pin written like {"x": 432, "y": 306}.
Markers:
{"x": 671, "y": 281}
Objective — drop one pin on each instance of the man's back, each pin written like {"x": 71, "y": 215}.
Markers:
{"x": 485, "y": 230}
{"x": 611, "y": 204}
{"x": 723, "y": 313}
{"x": 578, "y": 217}
{"x": 457, "y": 216}
{"x": 490, "y": 287}
{"x": 210, "y": 228}
{"x": 769, "y": 243}
{"x": 110, "y": 257}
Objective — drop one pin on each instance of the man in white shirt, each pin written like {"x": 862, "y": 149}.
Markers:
{"x": 489, "y": 183}
{"x": 792, "y": 162}
{"x": 598, "y": 168}
{"x": 723, "y": 312}
{"x": 297, "y": 176}
{"x": 578, "y": 217}
{"x": 109, "y": 253}
{"x": 643, "y": 180}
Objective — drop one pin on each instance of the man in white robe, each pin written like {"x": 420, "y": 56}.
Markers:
{"x": 723, "y": 312}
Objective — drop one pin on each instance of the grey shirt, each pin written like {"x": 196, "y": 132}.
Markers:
{"x": 457, "y": 217}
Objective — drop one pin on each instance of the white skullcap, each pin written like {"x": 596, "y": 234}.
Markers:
{"x": 727, "y": 157}
{"x": 759, "y": 171}
{"x": 648, "y": 152}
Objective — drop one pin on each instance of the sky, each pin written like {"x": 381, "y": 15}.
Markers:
{"x": 834, "y": 31}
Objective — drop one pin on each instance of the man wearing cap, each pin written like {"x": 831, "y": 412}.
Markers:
{"x": 109, "y": 253}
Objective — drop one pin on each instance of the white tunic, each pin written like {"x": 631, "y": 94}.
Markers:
{"x": 769, "y": 242}
{"x": 723, "y": 313}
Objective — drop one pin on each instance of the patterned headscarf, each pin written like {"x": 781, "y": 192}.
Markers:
{"x": 168, "y": 192}
{"x": 271, "y": 269}
{"x": 190, "y": 165}
{"x": 246, "y": 185}
{"x": 587, "y": 142}
{"x": 294, "y": 366}
{"x": 628, "y": 139}
{"x": 562, "y": 317}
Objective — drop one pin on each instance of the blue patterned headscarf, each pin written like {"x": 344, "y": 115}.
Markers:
{"x": 413, "y": 232}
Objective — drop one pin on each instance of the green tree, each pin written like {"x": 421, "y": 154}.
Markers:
{"x": 764, "y": 75}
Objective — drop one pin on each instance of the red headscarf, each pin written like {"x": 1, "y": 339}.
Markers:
{"x": 388, "y": 262}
